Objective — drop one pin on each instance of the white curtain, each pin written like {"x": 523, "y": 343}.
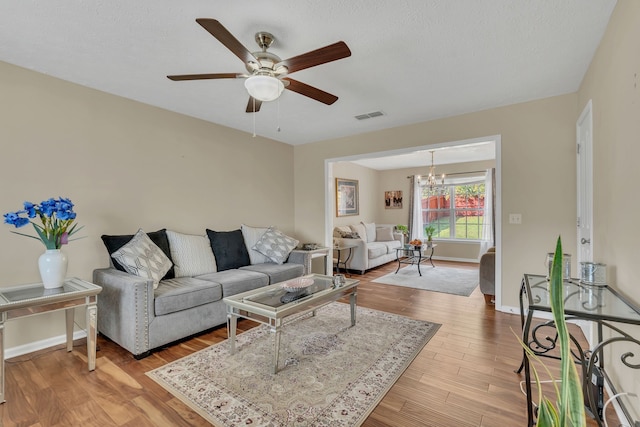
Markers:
{"x": 415, "y": 224}
{"x": 487, "y": 225}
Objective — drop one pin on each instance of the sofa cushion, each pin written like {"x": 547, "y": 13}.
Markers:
{"x": 277, "y": 272}
{"x": 115, "y": 242}
{"x": 251, "y": 236}
{"x": 191, "y": 254}
{"x": 275, "y": 245}
{"x": 183, "y": 293}
{"x": 237, "y": 281}
{"x": 384, "y": 234}
{"x": 229, "y": 249}
{"x": 392, "y": 246}
{"x": 142, "y": 257}
{"x": 376, "y": 249}
{"x": 370, "y": 231}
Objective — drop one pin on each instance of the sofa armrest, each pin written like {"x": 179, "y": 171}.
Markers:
{"x": 299, "y": 257}
{"x": 125, "y": 308}
{"x": 359, "y": 257}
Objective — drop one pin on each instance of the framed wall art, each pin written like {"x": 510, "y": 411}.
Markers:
{"x": 347, "y": 197}
{"x": 393, "y": 199}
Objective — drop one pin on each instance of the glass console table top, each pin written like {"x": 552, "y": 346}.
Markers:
{"x": 600, "y": 302}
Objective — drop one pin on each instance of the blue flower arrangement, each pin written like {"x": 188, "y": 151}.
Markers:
{"x": 57, "y": 218}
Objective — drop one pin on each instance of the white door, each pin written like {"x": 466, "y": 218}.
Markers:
{"x": 584, "y": 136}
{"x": 584, "y": 132}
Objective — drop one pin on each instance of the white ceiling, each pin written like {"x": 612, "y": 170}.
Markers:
{"x": 414, "y": 60}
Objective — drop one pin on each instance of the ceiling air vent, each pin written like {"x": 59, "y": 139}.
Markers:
{"x": 370, "y": 115}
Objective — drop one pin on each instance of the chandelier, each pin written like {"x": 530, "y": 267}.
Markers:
{"x": 432, "y": 182}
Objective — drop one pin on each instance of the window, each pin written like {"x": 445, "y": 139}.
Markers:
{"x": 455, "y": 213}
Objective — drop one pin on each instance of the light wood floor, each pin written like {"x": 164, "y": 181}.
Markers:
{"x": 463, "y": 377}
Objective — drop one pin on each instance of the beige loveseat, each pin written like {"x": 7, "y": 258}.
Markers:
{"x": 375, "y": 244}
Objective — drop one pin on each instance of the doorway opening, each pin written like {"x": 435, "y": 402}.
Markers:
{"x": 411, "y": 154}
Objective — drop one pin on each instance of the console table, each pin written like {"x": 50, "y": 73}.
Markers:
{"x": 28, "y": 300}
{"x": 598, "y": 304}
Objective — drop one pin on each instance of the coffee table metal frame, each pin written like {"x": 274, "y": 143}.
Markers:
{"x": 241, "y": 305}
{"x": 413, "y": 256}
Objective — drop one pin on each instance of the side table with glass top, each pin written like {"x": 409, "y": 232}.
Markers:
{"x": 31, "y": 299}
{"x": 598, "y": 304}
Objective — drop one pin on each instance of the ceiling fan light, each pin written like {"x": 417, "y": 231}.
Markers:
{"x": 264, "y": 88}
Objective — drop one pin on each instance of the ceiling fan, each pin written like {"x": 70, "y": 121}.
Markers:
{"x": 266, "y": 78}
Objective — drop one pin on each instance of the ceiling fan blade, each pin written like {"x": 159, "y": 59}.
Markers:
{"x": 250, "y": 105}
{"x": 333, "y": 52}
{"x": 310, "y": 91}
{"x": 226, "y": 38}
{"x": 205, "y": 76}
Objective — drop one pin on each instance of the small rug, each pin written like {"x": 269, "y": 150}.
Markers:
{"x": 330, "y": 374}
{"x": 457, "y": 281}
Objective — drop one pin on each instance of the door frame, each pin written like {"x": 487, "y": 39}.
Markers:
{"x": 330, "y": 191}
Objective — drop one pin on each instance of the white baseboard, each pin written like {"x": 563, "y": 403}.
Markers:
{"x": 40, "y": 345}
{"x": 444, "y": 258}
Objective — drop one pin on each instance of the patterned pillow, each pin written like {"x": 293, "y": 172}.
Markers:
{"x": 192, "y": 255}
{"x": 143, "y": 258}
{"x": 275, "y": 245}
{"x": 349, "y": 234}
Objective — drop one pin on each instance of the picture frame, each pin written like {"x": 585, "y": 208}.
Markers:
{"x": 393, "y": 199}
{"x": 347, "y": 202}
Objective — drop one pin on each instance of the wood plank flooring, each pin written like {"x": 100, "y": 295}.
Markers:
{"x": 463, "y": 377}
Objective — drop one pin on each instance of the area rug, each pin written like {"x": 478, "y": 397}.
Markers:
{"x": 330, "y": 374}
{"x": 457, "y": 281}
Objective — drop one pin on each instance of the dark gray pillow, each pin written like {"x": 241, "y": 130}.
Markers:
{"x": 113, "y": 243}
{"x": 229, "y": 249}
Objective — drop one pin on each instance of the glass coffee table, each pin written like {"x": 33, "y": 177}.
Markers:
{"x": 272, "y": 304}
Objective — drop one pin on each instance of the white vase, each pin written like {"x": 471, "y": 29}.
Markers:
{"x": 53, "y": 268}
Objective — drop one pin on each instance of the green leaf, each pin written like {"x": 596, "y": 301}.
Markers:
{"x": 571, "y": 399}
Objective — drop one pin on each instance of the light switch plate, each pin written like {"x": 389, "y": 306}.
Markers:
{"x": 515, "y": 218}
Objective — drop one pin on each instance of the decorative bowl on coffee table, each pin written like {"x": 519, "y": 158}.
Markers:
{"x": 297, "y": 285}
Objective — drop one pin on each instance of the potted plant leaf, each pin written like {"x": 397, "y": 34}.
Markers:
{"x": 429, "y": 230}
{"x": 568, "y": 410}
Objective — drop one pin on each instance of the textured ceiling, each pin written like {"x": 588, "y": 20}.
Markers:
{"x": 414, "y": 60}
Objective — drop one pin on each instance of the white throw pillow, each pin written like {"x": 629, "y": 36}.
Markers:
{"x": 359, "y": 228}
{"x": 276, "y": 245}
{"x": 251, "y": 236}
{"x": 142, "y": 257}
{"x": 191, "y": 254}
{"x": 370, "y": 229}
{"x": 383, "y": 234}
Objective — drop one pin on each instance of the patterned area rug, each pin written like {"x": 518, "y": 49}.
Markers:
{"x": 330, "y": 374}
{"x": 457, "y": 281}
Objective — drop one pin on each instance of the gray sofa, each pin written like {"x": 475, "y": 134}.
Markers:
{"x": 141, "y": 315}
{"x": 375, "y": 244}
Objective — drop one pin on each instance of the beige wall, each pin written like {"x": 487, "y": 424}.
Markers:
{"x": 367, "y": 187}
{"x": 613, "y": 85}
{"x": 537, "y": 164}
{"x": 125, "y": 165}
